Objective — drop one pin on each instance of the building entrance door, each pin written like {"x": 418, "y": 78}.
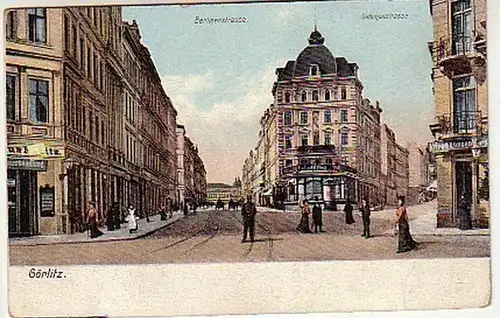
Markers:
{"x": 463, "y": 181}
{"x": 22, "y": 202}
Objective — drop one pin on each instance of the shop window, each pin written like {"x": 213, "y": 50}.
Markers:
{"x": 39, "y": 100}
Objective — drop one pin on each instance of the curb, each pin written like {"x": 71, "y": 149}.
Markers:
{"x": 111, "y": 239}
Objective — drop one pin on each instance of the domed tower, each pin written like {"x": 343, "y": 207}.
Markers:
{"x": 316, "y": 59}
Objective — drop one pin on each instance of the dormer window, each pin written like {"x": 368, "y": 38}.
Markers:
{"x": 304, "y": 96}
{"x": 315, "y": 95}
{"x": 287, "y": 97}
{"x": 314, "y": 70}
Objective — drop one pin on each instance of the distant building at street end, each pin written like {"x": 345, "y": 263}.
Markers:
{"x": 395, "y": 167}
{"x": 422, "y": 168}
{"x": 191, "y": 173}
{"x": 460, "y": 128}
{"x": 224, "y": 192}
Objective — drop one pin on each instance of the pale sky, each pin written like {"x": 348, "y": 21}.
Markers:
{"x": 220, "y": 77}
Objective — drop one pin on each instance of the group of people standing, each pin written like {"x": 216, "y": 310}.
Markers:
{"x": 405, "y": 240}
{"x": 317, "y": 217}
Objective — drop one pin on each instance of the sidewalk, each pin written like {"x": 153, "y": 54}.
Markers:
{"x": 423, "y": 221}
{"x": 145, "y": 228}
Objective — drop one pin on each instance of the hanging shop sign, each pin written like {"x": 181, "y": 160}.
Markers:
{"x": 47, "y": 201}
{"x": 26, "y": 164}
{"x": 36, "y": 150}
{"x": 446, "y": 146}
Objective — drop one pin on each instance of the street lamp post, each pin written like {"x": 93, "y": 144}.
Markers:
{"x": 69, "y": 164}
{"x": 476, "y": 153}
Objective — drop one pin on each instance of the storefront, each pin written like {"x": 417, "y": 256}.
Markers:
{"x": 34, "y": 191}
{"x": 462, "y": 172}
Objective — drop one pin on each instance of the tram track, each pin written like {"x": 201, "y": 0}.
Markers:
{"x": 217, "y": 232}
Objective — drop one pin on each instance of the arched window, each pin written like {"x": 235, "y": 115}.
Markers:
{"x": 315, "y": 96}
{"x": 287, "y": 97}
{"x": 304, "y": 96}
{"x": 343, "y": 94}
{"x": 327, "y": 94}
{"x": 314, "y": 70}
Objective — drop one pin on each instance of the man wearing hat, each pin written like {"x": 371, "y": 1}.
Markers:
{"x": 248, "y": 211}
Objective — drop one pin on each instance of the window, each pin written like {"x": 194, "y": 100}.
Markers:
{"x": 304, "y": 96}
{"x": 37, "y": 25}
{"x": 75, "y": 41}
{"x": 462, "y": 24}
{"x": 102, "y": 132}
{"x": 288, "y": 142}
{"x": 304, "y": 140}
{"x": 287, "y": 120}
{"x": 91, "y": 125}
{"x": 89, "y": 61}
{"x": 328, "y": 139}
{"x": 464, "y": 104}
{"x": 10, "y": 97}
{"x": 288, "y": 162}
{"x": 101, "y": 75}
{"x": 314, "y": 70}
{"x": 329, "y": 161}
{"x": 10, "y": 25}
{"x": 67, "y": 40}
{"x": 343, "y": 116}
{"x": 327, "y": 116}
{"x": 303, "y": 118}
{"x": 345, "y": 161}
{"x": 39, "y": 100}
{"x": 316, "y": 138}
{"x": 96, "y": 71}
{"x": 97, "y": 134}
{"x": 315, "y": 95}
{"x": 343, "y": 94}
{"x": 344, "y": 138}
{"x": 327, "y": 94}
{"x": 287, "y": 97}
{"x": 82, "y": 53}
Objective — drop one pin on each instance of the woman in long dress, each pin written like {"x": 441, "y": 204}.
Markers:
{"x": 132, "y": 220}
{"x": 303, "y": 226}
{"x": 92, "y": 220}
{"x": 349, "y": 219}
{"x": 463, "y": 214}
{"x": 405, "y": 241}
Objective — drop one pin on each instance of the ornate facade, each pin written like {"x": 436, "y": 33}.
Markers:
{"x": 87, "y": 119}
{"x": 320, "y": 137}
{"x": 461, "y": 108}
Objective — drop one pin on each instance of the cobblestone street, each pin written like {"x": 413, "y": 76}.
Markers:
{"x": 214, "y": 236}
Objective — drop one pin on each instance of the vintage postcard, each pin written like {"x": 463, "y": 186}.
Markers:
{"x": 246, "y": 158}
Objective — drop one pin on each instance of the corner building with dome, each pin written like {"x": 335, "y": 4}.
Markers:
{"x": 320, "y": 137}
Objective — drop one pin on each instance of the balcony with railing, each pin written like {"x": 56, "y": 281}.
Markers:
{"x": 316, "y": 149}
{"x": 459, "y": 54}
{"x": 460, "y": 123}
{"x": 317, "y": 168}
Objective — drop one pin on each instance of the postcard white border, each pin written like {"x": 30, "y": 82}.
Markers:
{"x": 271, "y": 287}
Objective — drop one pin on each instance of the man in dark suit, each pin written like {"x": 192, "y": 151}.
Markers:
{"x": 248, "y": 211}
{"x": 365, "y": 213}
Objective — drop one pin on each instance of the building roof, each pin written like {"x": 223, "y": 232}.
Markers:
{"x": 316, "y": 53}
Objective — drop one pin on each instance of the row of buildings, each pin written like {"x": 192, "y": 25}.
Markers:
{"x": 460, "y": 91}
{"x": 322, "y": 138}
{"x": 88, "y": 121}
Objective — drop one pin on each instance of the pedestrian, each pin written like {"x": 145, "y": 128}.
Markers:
{"x": 463, "y": 214}
{"x": 93, "y": 220}
{"x": 405, "y": 241}
{"x": 248, "y": 211}
{"x": 194, "y": 206}
{"x": 230, "y": 204}
{"x": 349, "y": 219}
{"x": 117, "y": 216}
{"x": 365, "y": 213}
{"x": 185, "y": 208}
{"x": 132, "y": 220}
{"x": 317, "y": 216}
{"x": 110, "y": 218}
{"x": 303, "y": 226}
{"x": 163, "y": 212}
